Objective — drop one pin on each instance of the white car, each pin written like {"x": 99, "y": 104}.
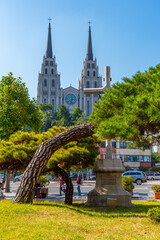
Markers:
{"x": 154, "y": 176}
{"x": 93, "y": 177}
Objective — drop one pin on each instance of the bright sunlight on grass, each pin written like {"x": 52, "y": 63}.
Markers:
{"x": 50, "y": 220}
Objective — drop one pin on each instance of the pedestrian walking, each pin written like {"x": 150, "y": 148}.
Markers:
{"x": 2, "y": 196}
{"x": 79, "y": 182}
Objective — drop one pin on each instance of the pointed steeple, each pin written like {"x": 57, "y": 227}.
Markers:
{"x": 49, "y": 42}
{"x": 89, "y": 46}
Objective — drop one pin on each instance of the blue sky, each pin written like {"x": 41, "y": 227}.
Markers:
{"x": 125, "y": 36}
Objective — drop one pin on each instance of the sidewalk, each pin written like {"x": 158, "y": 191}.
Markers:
{"x": 83, "y": 197}
{"x": 52, "y": 197}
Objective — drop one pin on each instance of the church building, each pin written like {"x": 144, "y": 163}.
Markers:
{"x": 49, "y": 85}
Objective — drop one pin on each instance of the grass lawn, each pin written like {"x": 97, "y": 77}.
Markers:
{"x": 50, "y": 220}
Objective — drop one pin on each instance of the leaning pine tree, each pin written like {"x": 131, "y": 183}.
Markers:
{"x": 41, "y": 157}
{"x": 17, "y": 153}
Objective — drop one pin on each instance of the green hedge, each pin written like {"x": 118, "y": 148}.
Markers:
{"x": 154, "y": 214}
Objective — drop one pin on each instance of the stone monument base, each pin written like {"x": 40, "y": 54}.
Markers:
{"x": 108, "y": 185}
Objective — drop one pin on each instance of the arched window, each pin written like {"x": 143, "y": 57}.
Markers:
{"x": 45, "y": 70}
{"x": 87, "y": 84}
{"x": 52, "y": 71}
{"x": 94, "y": 74}
{"x": 87, "y": 73}
{"x": 95, "y": 84}
{"x": 53, "y": 83}
{"x": 45, "y": 82}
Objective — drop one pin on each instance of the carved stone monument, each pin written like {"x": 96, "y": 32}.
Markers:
{"x": 108, "y": 183}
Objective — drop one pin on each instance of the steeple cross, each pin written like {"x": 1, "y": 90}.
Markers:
{"x": 49, "y": 19}
{"x": 89, "y": 23}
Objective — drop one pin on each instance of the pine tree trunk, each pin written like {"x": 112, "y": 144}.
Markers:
{"x": 7, "y": 182}
{"x": 42, "y": 155}
{"x": 68, "y": 181}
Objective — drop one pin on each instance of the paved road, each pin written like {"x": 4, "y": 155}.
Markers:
{"x": 140, "y": 192}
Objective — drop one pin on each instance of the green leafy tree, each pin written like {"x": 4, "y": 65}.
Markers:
{"x": 16, "y": 108}
{"x": 45, "y": 107}
{"x": 63, "y": 116}
{"x": 78, "y": 116}
{"x": 47, "y": 116}
{"x": 46, "y": 121}
{"x": 131, "y": 110}
{"x": 155, "y": 158}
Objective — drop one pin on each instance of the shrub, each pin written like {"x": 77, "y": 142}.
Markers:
{"x": 156, "y": 188}
{"x": 143, "y": 168}
{"x": 154, "y": 214}
{"x": 155, "y": 169}
{"x": 43, "y": 180}
{"x": 127, "y": 183}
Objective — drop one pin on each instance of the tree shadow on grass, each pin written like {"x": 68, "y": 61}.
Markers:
{"x": 140, "y": 209}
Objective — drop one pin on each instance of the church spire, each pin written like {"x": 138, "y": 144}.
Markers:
{"x": 89, "y": 46}
{"x": 49, "y": 42}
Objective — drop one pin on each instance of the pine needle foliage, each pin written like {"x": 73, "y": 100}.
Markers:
{"x": 17, "y": 152}
{"x": 131, "y": 110}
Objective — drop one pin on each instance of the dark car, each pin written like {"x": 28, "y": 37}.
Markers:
{"x": 137, "y": 176}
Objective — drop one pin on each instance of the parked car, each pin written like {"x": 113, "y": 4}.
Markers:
{"x": 154, "y": 176}
{"x": 17, "y": 178}
{"x": 92, "y": 177}
{"x": 137, "y": 176}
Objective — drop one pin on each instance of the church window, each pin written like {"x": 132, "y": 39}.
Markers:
{"x": 92, "y": 65}
{"x": 87, "y": 73}
{"x": 52, "y": 71}
{"x": 88, "y": 65}
{"x": 44, "y": 93}
{"x": 95, "y": 84}
{"x": 45, "y": 82}
{"x": 53, "y": 83}
{"x": 94, "y": 74}
{"x": 88, "y": 108}
{"x": 51, "y": 63}
{"x": 87, "y": 84}
{"x": 45, "y": 100}
{"x": 52, "y": 93}
{"x": 46, "y": 63}
{"x": 45, "y": 70}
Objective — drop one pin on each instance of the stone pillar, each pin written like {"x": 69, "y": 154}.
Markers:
{"x": 108, "y": 182}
